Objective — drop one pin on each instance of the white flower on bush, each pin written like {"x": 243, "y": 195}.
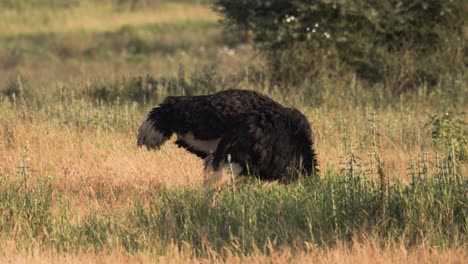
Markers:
{"x": 290, "y": 19}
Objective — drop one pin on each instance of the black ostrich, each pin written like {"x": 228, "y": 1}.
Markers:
{"x": 238, "y": 131}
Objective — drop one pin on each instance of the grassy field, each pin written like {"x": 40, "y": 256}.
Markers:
{"x": 76, "y": 81}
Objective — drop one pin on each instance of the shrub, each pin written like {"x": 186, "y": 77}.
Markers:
{"x": 389, "y": 41}
{"x": 449, "y": 130}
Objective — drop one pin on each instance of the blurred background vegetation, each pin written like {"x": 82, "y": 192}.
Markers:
{"x": 399, "y": 43}
{"x": 319, "y": 54}
{"x": 338, "y": 55}
{"x": 389, "y": 48}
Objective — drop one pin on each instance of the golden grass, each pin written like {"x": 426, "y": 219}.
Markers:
{"x": 365, "y": 253}
{"x": 71, "y": 71}
{"x": 98, "y": 18}
{"x": 92, "y": 155}
{"x": 50, "y": 46}
{"x": 82, "y": 163}
{"x": 81, "y": 160}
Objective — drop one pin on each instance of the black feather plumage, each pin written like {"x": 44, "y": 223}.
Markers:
{"x": 268, "y": 140}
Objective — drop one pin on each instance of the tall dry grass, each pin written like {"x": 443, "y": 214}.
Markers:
{"x": 90, "y": 152}
{"x": 87, "y": 148}
{"x": 84, "y": 159}
{"x": 369, "y": 252}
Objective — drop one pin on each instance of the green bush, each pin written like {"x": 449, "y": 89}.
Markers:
{"x": 396, "y": 42}
{"x": 449, "y": 130}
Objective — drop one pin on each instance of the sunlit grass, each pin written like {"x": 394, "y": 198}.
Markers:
{"x": 252, "y": 218}
{"x": 368, "y": 252}
{"x": 74, "y": 187}
{"x": 97, "y": 18}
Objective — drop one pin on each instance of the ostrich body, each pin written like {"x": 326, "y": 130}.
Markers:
{"x": 258, "y": 135}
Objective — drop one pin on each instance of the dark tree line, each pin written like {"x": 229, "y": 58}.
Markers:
{"x": 301, "y": 37}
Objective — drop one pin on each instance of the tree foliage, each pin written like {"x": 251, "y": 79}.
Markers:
{"x": 364, "y": 35}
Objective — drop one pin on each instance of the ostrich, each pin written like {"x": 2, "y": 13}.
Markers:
{"x": 235, "y": 131}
